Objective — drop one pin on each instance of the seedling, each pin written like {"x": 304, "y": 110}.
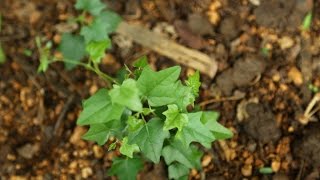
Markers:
{"x": 148, "y": 115}
{"x": 307, "y": 21}
{"x": 266, "y": 170}
{"x": 2, "y": 55}
{"x": 147, "y": 112}
{"x": 311, "y": 109}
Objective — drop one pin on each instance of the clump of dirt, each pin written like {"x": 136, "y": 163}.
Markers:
{"x": 261, "y": 124}
{"x": 243, "y": 73}
{"x": 282, "y": 14}
{"x": 229, "y": 27}
{"x": 308, "y": 147}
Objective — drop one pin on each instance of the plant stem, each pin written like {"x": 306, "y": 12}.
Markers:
{"x": 94, "y": 68}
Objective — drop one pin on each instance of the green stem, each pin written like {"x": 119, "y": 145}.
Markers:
{"x": 94, "y": 68}
{"x": 103, "y": 75}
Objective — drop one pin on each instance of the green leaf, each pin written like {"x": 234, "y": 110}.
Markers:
{"x": 174, "y": 119}
{"x": 195, "y": 131}
{"x": 2, "y": 55}
{"x": 101, "y": 26}
{"x": 194, "y": 82}
{"x": 176, "y": 152}
{"x": 122, "y": 75}
{"x": 157, "y": 86}
{"x": 112, "y": 146}
{"x": 99, "y": 109}
{"x": 27, "y": 52}
{"x": 128, "y": 149}
{"x": 72, "y": 48}
{"x": 100, "y": 133}
{"x": 126, "y": 168}
{"x": 92, "y": 6}
{"x": 44, "y": 63}
{"x": 94, "y": 32}
{"x": 147, "y": 111}
{"x": 184, "y": 96}
{"x": 210, "y": 120}
{"x": 127, "y": 95}
{"x": 150, "y": 139}
{"x": 134, "y": 123}
{"x": 110, "y": 20}
{"x": 96, "y": 49}
{"x": 178, "y": 171}
{"x": 306, "y": 24}
{"x": 141, "y": 62}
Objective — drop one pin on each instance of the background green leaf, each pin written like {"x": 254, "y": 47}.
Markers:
{"x": 92, "y": 6}
{"x": 110, "y": 20}
{"x": 96, "y": 49}
{"x": 72, "y": 48}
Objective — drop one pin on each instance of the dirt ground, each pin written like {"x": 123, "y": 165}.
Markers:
{"x": 268, "y": 71}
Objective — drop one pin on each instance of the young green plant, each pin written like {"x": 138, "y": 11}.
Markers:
{"x": 147, "y": 112}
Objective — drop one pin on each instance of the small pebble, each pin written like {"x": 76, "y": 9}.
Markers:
{"x": 97, "y": 151}
{"x": 86, "y": 172}
{"x": 296, "y": 76}
{"x": 206, "y": 160}
{"x": 246, "y": 170}
{"x": 275, "y": 165}
{"x": 285, "y": 42}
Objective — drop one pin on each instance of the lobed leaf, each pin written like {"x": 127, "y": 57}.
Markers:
{"x": 92, "y": 6}
{"x": 127, "y": 95}
{"x": 210, "y": 121}
{"x": 176, "y": 152}
{"x": 134, "y": 123}
{"x": 194, "y": 82}
{"x": 150, "y": 139}
{"x": 128, "y": 149}
{"x": 126, "y": 168}
{"x": 100, "y": 133}
{"x": 195, "y": 131}
{"x": 96, "y": 49}
{"x": 99, "y": 109}
{"x": 157, "y": 86}
{"x": 174, "y": 119}
{"x": 178, "y": 171}
{"x": 110, "y": 21}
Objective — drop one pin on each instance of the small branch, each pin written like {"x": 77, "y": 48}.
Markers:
{"x": 169, "y": 48}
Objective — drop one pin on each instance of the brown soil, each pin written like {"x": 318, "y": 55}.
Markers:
{"x": 261, "y": 95}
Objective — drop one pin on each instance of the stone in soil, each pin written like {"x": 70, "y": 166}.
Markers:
{"x": 307, "y": 147}
{"x": 282, "y": 14}
{"x": 243, "y": 73}
{"x": 261, "y": 124}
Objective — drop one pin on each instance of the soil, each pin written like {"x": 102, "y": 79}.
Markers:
{"x": 266, "y": 65}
